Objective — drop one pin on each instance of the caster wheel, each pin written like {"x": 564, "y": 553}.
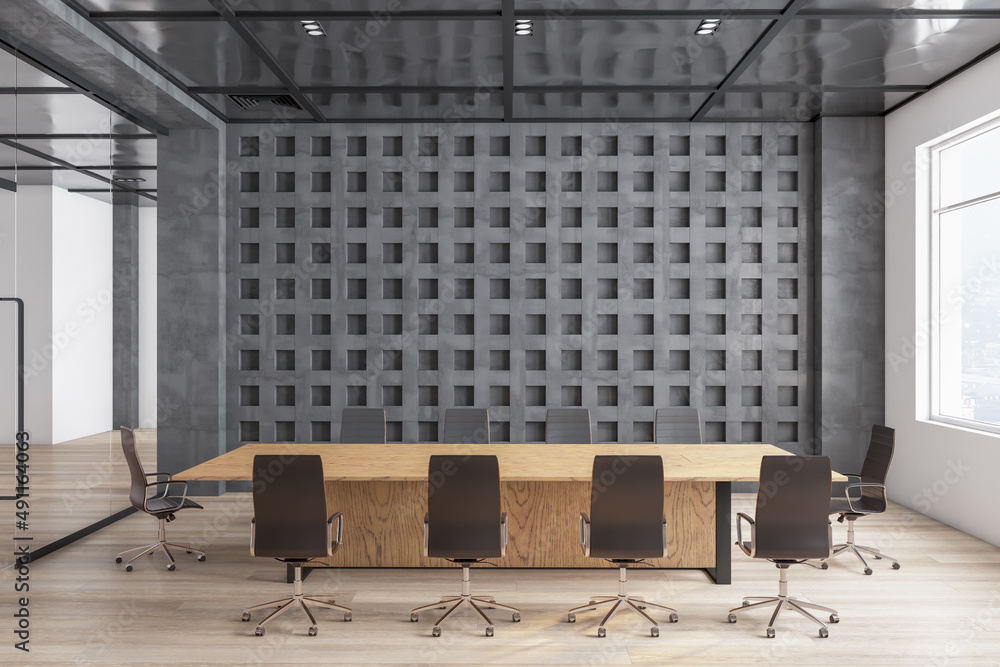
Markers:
{"x": 347, "y": 617}
{"x": 654, "y": 632}
{"x": 516, "y": 617}
{"x": 171, "y": 567}
{"x": 732, "y": 618}
{"x": 436, "y": 632}
{"x": 201, "y": 558}
{"x": 834, "y": 618}
{"x": 571, "y": 618}
{"x": 823, "y": 632}
{"x": 118, "y": 559}
{"x": 187, "y": 552}
{"x": 770, "y": 633}
{"x": 246, "y": 616}
{"x": 489, "y": 631}
{"x": 601, "y": 632}
{"x": 128, "y": 568}
{"x": 674, "y": 618}
{"x": 895, "y": 566}
{"x": 312, "y": 631}
{"x": 878, "y": 558}
{"x": 868, "y": 570}
{"x": 259, "y": 631}
{"x": 493, "y": 600}
{"x": 592, "y": 602}
{"x": 825, "y": 566}
{"x": 414, "y": 618}
{"x": 746, "y": 603}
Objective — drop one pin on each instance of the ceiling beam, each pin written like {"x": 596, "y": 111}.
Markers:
{"x": 769, "y": 34}
{"x": 53, "y": 69}
{"x": 64, "y": 163}
{"x": 269, "y": 61}
{"x": 550, "y": 14}
{"x": 6, "y": 184}
{"x": 128, "y": 46}
{"x": 507, "y": 39}
{"x": 37, "y": 90}
{"x": 26, "y": 137}
{"x": 88, "y": 167}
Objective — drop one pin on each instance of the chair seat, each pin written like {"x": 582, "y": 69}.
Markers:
{"x": 861, "y": 507}
{"x": 169, "y": 504}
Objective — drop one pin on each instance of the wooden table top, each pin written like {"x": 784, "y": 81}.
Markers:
{"x": 534, "y": 463}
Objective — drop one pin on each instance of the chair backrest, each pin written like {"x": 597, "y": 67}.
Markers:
{"x": 678, "y": 426}
{"x": 881, "y": 447}
{"x": 466, "y": 425}
{"x": 626, "y": 507}
{"x": 567, "y": 426}
{"x": 362, "y": 426}
{"x": 793, "y": 507}
{"x": 289, "y": 506}
{"x": 137, "y": 486}
{"x": 463, "y": 507}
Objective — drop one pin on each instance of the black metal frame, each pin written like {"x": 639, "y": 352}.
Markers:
{"x": 22, "y": 435}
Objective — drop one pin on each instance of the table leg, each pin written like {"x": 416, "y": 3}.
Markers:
{"x": 722, "y": 573}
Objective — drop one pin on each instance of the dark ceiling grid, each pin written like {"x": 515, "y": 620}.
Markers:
{"x": 505, "y": 14}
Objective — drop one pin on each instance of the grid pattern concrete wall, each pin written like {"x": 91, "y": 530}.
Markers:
{"x": 619, "y": 267}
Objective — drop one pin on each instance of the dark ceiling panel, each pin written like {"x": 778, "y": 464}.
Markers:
{"x": 198, "y": 53}
{"x": 376, "y": 6}
{"x": 902, "y": 4}
{"x": 145, "y": 5}
{"x": 409, "y": 53}
{"x": 630, "y": 52}
{"x": 802, "y": 106}
{"x": 567, "y": 7}
{"x": 607, "y": 106}
{"x": 431, "y": 106}
{"x": 871, "y": 52}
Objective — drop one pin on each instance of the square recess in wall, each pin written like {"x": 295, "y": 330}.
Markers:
{"x": 642, "y": 360}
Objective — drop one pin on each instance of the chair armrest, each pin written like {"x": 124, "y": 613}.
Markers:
{"x": 503, "y": 533}
{"x": 585, "y": 534}
{"x": 331, "y": 543}
{"x": 664, "y": 536}
{"x": 167, "y": 482}
{"x": 427, "y": 534}
{"x": 753, "y": 534}
{"x": 158, "y": 474}
{"x": 253, "y": 534}
{"x": 847, "y": 491}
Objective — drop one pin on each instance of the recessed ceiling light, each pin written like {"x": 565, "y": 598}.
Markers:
{"x": 523, "y": 31}
{"x": 522, "y": 27}
{"x": 313, "y": 28}
{"x": 708, "y": 26}
{"x": 128, "y": 179}
{"x": 707, "y": 22}
{"x": 704, "y": 31}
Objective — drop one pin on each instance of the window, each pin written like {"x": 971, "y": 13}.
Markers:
{"x": 965, "y": 279}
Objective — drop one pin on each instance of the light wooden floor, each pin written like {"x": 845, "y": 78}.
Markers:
{"x": 941, "y": 608}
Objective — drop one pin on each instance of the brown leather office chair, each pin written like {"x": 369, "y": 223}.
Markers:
{"x": 568, "y": 426}
{"x": 871, "y": 482}
{"x": 464, "y": 524}
{"x": 362, "y": 426}
{"x": 626, "y": 525}
{"x": 466, "y": 426}
{"x": 678, "y": 426}
{"x": 290, "y": 524}
{"x": 161, "y": 506}
{"x": 792, "y": 525}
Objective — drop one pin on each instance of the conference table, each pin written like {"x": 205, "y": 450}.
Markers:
{"x": 382, "y": 491}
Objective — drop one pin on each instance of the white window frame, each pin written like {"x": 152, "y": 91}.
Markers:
{"x": 935, "y": 311}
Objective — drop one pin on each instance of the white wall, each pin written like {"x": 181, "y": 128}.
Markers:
{"x": 81, "y": 315}
{"x": 147, "y": 317}
{"x": 947, "y": 473}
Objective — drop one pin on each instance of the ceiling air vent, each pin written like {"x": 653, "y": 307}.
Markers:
{"x": 247, "y": 102}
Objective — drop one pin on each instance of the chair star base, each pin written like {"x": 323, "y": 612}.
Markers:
{"x": 623, "y": 600}
{"x": 296, "y": 599}
{"x": 781, "y": 601}
{"x": 161, "y": 544}
{"x": 857, "y": 549}
{"x": 477, "y": 602}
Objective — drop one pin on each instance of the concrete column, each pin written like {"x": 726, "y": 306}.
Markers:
{"x": 125, "y": 309}
{"x": 191, "y": 302}
{"x": 850, "y": 286}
